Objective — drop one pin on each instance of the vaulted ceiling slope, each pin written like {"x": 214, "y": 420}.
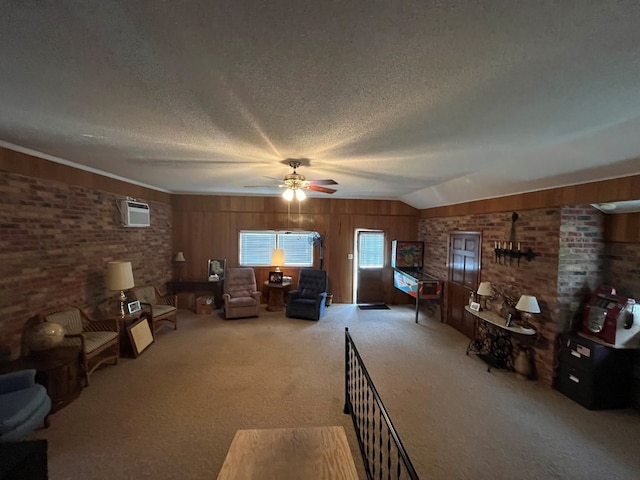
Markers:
{"x": 429, "y": 102}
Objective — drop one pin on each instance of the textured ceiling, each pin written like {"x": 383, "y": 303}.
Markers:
{"x": 428, "y": 102}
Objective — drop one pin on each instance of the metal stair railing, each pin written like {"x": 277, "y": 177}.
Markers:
{"x": 382, "y": 452}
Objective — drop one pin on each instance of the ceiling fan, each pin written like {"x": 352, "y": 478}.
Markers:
{"x": 295, "y": 183}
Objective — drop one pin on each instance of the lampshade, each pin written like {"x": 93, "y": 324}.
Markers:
{"x": 288, "y": 194}
{"x": 300, "y": 195}
{"x": 277, "y": 257}
{"x": 485, "y": 289}
{"x": 119, "y": 276}
{"x": 179, "y": 257}
{"x": 528, "y": 303}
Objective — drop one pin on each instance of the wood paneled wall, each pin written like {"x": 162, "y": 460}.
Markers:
{"x": 622, "y": 227}
{"x": 615, "y": 190}
{"x": 207, "y": 227}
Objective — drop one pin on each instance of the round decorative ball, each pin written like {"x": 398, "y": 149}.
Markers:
{"x": 43, "y": 335}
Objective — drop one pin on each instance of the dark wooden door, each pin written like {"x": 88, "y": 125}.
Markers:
{"x": 370, "y": 286}
{"x": 464, "y": 272}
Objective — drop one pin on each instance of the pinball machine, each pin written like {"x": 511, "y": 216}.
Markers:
{"x": 407, "y": 261}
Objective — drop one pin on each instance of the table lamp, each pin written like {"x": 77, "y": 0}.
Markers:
{"x": 484, "y": 290}
{"x": 120, "y": 277}
{"x": 527, "y": 304}
{"x": 277, "y": 258}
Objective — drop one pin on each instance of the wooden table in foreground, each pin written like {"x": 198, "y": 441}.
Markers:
{"x": 306, "y": 453}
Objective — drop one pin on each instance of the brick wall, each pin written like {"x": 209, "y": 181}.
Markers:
{"x": 580, "y": 261}
{"x": 55, "y": 241}
{"x": 574, "y": 260}
{"x": 535, "y": 229}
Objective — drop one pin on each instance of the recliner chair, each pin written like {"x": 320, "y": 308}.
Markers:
{"x": 241, "y": 297}
{"x": 24, "y": 405}
{"x": 309, "y": 300}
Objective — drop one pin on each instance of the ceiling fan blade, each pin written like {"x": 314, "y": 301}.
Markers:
{"x": 323, "y": 182}
{"x": 317, "y": 188}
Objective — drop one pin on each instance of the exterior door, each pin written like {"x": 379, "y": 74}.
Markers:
{"x": 369, "y": 266}
{"x": 464, "y": 272}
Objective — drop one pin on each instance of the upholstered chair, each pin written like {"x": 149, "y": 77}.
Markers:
{"x": 162, "y": 308}
{"x": 308, "y": 301}
{"x": 24, "y": 405}
{"x": 97, "y": 340}
{"x": 241, "y": 297}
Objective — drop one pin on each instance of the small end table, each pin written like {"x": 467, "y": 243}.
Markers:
{"x": 276, "y": 295}
{"x": 57, "y": 370}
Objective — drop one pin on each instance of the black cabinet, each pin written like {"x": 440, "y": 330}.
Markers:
{"x": 594, "y": 375}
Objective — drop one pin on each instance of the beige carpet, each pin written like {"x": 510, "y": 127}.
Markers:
{"x": 172, "y": 413}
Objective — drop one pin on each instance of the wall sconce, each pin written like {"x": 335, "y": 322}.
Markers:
{"x": 527, "y": 304}
{"x": 277, "y": 258}
{"x": 120, "y": 277}
{"x": 484, "y": 290}
{"x": 502, "y": 251}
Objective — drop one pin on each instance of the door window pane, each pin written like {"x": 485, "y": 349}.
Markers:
{"x": 371, "y": 250}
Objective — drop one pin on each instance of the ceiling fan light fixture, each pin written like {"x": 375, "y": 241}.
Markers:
{"x": 288, "y": 194}
{"x": 300, "y": 195}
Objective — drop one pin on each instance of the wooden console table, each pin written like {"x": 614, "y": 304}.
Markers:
{"x": 493, "y": 338}
{"x": 318, "y": 453}
{"x": 198, "y": 287}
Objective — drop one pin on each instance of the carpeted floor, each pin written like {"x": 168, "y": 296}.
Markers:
{"x": 172, "y": 412}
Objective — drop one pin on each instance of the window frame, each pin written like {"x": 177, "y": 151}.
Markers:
{"x": 276, "y": 243}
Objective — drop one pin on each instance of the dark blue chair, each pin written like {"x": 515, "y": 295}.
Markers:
{"x": 24, "y": 405}
{"x": 309, "y": 300}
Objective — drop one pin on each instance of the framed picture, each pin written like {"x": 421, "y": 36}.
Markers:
{"x": 275, "y": 277}
{"x": 134, "y": 307}
{"x": 475, "y": 306}
{"x": 215, "y": 267}
{"x": 140, "y": 335}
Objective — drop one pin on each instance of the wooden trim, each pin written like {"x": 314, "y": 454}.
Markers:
{"x": 614, "y": 190}
{"x": 30, "y": 166}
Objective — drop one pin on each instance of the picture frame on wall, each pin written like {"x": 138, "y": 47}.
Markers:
{"x": 140, "y": 336}
{"x": 215, "y": 268}
{"x": 275, "y": 277}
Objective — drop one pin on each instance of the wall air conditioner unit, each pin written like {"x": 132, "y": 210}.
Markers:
{"x": 134, "y": 213}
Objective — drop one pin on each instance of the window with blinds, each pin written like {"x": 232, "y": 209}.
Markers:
{"x": 371, "y": 250}
{"x": 256, "y": 247}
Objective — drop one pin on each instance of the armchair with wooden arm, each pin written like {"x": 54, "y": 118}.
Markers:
{"x": 97, "y": 340}
{"x": 162, "y": 308}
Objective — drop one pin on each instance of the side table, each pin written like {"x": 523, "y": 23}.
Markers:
{"x": 58, "y": 370}
{"x": 276, "y": 295}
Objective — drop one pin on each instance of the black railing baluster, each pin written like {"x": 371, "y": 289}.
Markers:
{"x": 371, "y": 421}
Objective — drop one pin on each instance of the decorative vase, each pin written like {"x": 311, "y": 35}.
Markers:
{"x": 42, "y": 335}
{"x": 522, "y": 365}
